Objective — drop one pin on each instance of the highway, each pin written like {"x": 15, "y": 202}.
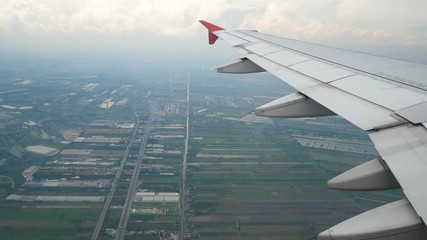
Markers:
{"x": 121, "y": 229}
{"x": 115, "y": 182}
{"x": 183, "y": 217}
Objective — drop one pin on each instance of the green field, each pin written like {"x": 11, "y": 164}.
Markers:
{"x": 45, "y": 223}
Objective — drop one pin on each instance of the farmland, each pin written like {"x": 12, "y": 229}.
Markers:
{"x": 68, "y": 170}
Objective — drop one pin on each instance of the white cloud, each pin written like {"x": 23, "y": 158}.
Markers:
{"x": 176, "y": 17}
{"x": 353, "y": 21}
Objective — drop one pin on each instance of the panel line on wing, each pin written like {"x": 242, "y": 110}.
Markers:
{"x": 231, "y": 39}
{"x": 379, "y": 117}
{"x": 299, "y": 62}
{"x": 268, "y": 65}
{"x": 384, "y": 77}
{"x": 347, "y": 81}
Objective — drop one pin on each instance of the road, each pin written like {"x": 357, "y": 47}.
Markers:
{"x": 183, "y": 217}
{"x": 115, "y": 182}
{"x": 121, "y": 229}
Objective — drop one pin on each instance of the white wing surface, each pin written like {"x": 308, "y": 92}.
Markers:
{"x": 383, "y": 96}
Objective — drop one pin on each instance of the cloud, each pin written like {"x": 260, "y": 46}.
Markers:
{"x": 353, "y": 21}
{"x": 170, "y": 17}
{"x": 361, "y": 21}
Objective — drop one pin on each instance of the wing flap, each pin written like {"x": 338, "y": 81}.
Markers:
{"x": 416, "y": 113}
{"x": 380, "y": 92}
{"x": 361, "y": 113}
{"x": 404, "y": 149}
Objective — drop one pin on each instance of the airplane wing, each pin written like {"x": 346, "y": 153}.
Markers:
{"x": 383, "y": 96}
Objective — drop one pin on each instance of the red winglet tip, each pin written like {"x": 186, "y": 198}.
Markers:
{"x": 211, "y": 28}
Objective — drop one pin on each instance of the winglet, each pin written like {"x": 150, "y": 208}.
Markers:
{"x": 211, "y": 28}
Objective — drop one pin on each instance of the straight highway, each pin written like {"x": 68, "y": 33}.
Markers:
{"x": 115, "y": 182}
{"x": 124, "y": 218}
{"x": 183, "y": 202}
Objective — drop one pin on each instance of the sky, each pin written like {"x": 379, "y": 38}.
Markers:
{"x": 162, "y": 28}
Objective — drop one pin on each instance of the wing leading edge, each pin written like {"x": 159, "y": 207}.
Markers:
{"x": 385, "y": 97}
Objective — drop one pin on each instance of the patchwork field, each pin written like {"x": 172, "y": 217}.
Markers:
{"x": 255, "y": 180}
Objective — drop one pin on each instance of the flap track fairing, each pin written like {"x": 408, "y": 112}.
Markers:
{"x": 243, "y": 65}
{"x": 295, "y": 105}
{"x": 396, "y": 220}
{"x": 369, "y": 176}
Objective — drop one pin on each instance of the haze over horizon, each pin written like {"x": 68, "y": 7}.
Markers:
{"x": 170, "y": 30}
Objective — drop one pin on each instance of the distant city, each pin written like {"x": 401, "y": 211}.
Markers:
{"x": 168, "y": 156}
